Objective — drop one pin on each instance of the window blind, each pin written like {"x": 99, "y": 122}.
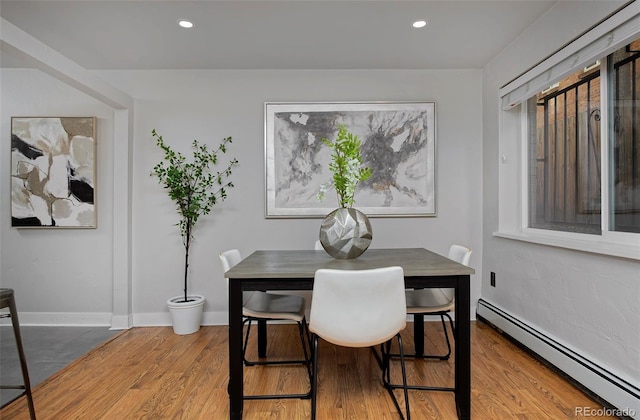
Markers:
{"x": 602, "y": 40}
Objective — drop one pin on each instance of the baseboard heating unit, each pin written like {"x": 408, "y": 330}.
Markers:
{"x": 620, "y": 397}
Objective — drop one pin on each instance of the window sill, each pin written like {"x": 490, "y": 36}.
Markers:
{"x": 586, "y": 243}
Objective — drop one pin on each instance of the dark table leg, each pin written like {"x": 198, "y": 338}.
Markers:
{"x": 262, "y": 338}
{"x": 235, "y": 349}
{"x": 418, "y": 333}
{"x": 463, "y": 348}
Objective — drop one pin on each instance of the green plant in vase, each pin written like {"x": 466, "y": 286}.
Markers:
{"x": 346, "y": 166}
{"x": 346, "y": 232}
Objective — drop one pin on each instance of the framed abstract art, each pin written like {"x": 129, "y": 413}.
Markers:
{"x": 398, "y": 144}
{"x": 53, "y": 172}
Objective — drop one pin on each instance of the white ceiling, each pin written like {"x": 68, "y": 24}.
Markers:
{"x": 273, "y": 34}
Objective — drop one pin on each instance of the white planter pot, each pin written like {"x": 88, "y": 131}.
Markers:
{"x": 186, "y": 316}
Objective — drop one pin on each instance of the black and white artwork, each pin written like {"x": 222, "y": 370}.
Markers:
{"x": 398, "y": 144}
{"x": 53, "y": 172}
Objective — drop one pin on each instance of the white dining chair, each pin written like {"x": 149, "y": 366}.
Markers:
{"x": 263, "y": 306}
{"x": 359, "y": 308}
{"x": 438, "y": 301}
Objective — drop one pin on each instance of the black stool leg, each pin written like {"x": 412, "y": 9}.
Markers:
{"x": 23, "y": 360}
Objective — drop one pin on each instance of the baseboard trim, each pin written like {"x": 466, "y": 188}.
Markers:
{"x": 121, "y": 322}
{"x": 114, "y": 322}
{"x": 125, "y": 322}
{"x": 614, "y": 392}
{"x": 62, "y": 319}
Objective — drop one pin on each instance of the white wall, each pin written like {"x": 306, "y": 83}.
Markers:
{"x": 210, "y": 105}
{"x": 65, "y": 276}
{"x": 587, "y": 301}
{"x": 59, "y": 275}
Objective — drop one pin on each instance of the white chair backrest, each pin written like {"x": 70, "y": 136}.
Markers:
{"x": 229, "y": 259}
{"x": 358, "y": 308}
{"x": 460, "y": 253}
{"x": 318, "y": 246}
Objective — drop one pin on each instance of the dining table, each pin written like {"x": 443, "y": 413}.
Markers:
{"x": 279, "y": 270}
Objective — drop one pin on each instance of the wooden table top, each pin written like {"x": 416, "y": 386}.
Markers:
{"x": 304, "y": 263}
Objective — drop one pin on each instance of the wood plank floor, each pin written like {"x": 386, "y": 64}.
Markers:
{"x": 152, "y": 373}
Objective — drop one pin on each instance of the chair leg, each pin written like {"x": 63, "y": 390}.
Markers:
{"x": 386, "y": 357}
{"x": 386, "y": 376}
{"x": 302, "y": 327}
{"x": 304, "y": 341}
{"x": 446, "y": 336}
{"x": 453, "y": 327}
{"x": 13, "y": 314}
{"x": 314, "y": 381}
{"x": 404, "y": 378}
{"x": 247, "y": 362}
{"x": 246, "y": 341}
{"x": 445, "y": 356}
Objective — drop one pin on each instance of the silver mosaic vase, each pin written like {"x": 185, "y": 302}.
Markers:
{"x": 345, "y": 233}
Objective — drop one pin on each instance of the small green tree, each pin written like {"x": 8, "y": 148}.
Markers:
{"x": 193, "y": 186}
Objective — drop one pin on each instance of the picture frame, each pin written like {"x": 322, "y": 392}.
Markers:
{"x": 53, "y": 172}
{"x": 398, "y": 144}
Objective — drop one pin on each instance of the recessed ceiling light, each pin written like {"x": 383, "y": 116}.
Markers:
{"x": 185, "y": 23}
{"x": 419, "y": 24}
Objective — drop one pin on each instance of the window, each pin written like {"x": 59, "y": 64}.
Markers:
{"x": 569, "y": 144}
{"x": 569, "y": 187}
{"x": 624, "y": 152}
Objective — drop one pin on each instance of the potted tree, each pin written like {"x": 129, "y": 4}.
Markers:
{"x": 195, "y": 188}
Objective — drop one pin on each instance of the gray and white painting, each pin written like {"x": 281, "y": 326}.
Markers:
{"x": 398, "y": 144}
{"x": 53, "y": 172}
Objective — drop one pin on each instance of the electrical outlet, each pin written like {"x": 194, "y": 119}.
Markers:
{"x": 493, "y": 279}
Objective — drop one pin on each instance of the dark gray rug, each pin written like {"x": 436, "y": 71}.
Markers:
{"x": 48, "y": 350}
